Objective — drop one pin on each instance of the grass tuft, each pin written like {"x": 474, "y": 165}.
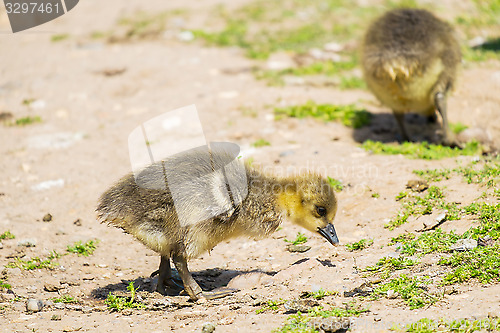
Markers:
{"x": 349, "y": 115}
{"x": 300, "y": 239}
{"x": 119, "y": 303}
{"x": 7, "y": 235}
{"x": 82, "y": 249}
{"x": 360, "y": 245}
{"x": 422, "y": 150}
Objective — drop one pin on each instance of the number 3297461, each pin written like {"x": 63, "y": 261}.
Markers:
{"x": 31, "y": 7}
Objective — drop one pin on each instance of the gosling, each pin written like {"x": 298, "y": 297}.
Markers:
{"x": 410, "y": 59}
{"x": 144, "y": 208}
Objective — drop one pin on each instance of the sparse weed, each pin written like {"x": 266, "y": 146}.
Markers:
{"x": 411, "y": 289}
{"x": 422, "y": 150}
{"x": 488, "y": 173}
{"x": 86, "y": 249}
{"x": 271, "y": 305}
{"x": 423, "y": 204}
{"x": 335, "y": 183}
{"x": 4, "y": 285}
{"x": 300, "y": 239}
{"x": 349, "y": 115}
{"x": 303, "y": 322}
{"x": 119, "y": 303}
{"x": 426, "y": 242}
{"x": 481, "y": 263}
{"x": 320, "y": 294}
{"x": 59, "y": 37}
{"x": 360, "y": 245}
{"x": 426, "y": 325}
{"x": 65, "y": 299}
{"x": 261, "y": 143}
{"x": 28, "y": 120}
{"x": 458, "y": 127}
{"x": 7, "y": 235}
{"x": 387, "y": 265}
{"x": 34, "y": 263}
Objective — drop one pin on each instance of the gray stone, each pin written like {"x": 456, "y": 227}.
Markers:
{"x": 298, "y": 248}
{"x": 34, "y": 305}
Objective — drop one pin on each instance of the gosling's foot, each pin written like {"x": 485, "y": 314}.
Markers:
{"x": 168, "y": 287}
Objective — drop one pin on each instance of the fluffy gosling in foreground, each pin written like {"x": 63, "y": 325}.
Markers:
{"x": 149, "y": 212}
{"x": 410, "y": 60}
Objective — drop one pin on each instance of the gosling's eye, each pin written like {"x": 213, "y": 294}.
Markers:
{"x": 321, "y": 211}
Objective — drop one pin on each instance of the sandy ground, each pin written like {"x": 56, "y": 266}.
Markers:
{"x": 81, "y": 144}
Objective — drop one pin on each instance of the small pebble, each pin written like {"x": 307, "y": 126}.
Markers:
{"x": 391, "y": 294}
{"x": 298, "y": 248}
{"x": 47, "y": 217}
{"x": 208, "y": 328}
{"x": 34, "y": 305}
{"x": 52, "y": 287}
{"x": 78, "y": 223}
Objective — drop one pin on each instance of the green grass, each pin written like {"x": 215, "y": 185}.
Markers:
{"x": 420, "y": 204}
{"x": 302, "y": 322}
{"x": 458, "y": 127}
{"x": 360, "y": 245}
{"x": 270, "y": 305}
{"x": 7, "y": 235}
{"x": 375, "y": 195}
{"x": 426, "y": 325}
{"x": 422, "y": 150}
{"x": 335, "y": 183}
{"x": 261, "y": 28}
{"x": 426, "y": 242}
{"x": 486, "y": 172}
{"x": 434, "y": 175}
{"x": 261, "y": 143}
{"x": 28, "y": 120}
{"x": 65, "y": 299}
{"x": 320, "y": 294}
{"x": 481, "y": 263}
{"x": 411, "y": 289}
{"x": 300, "y": 239}
{"x": 4, "y": 285}
{"x": 80, "y": 248}
{"x": 119, "y": 303}
{"x": 59, "y": 37}
{"x": 349, "y": 115}
{"x": 35, "y": 263}
{"x": 338, "y": 69}
{"x": 488, "y": 216}
{"x": 386, "y": 265}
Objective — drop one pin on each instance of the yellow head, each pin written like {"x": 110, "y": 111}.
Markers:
{"x": 310, "y": 202}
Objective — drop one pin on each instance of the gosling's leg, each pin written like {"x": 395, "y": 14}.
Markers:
{"x": 400, "y": 119}
{"x": 440, "y": 103}
{"x": 166, "y": 284}
{"x": 191, "y": 287}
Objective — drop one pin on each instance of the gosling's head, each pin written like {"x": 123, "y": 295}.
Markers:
{"x": 311, "y": 203}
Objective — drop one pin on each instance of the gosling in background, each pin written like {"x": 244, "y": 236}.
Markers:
{"x": 149, "y": 214}
{"x": 410, "y": 60}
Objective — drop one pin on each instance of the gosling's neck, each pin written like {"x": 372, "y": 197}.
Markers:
{"x": 288, "y": 198}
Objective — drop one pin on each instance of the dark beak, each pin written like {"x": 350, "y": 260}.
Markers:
{"x": 329, "y": 233}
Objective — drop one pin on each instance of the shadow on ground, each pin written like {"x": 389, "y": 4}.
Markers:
{"x": 208, "y": 279}
{"x": 383, "y": 128}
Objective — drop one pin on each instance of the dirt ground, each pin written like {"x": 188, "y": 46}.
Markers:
{"x": 81, "y": 146}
